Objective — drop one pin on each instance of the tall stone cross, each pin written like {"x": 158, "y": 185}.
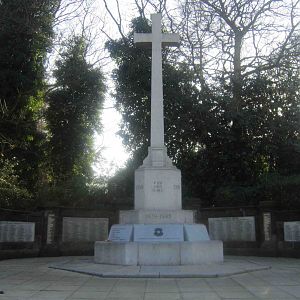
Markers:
{"x": 156, "y": 40}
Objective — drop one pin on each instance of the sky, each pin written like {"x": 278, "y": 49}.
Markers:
{"x": 111, "y": 153}
{"x": 98, "y": 24}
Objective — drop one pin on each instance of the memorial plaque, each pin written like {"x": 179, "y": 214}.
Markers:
{"x": 17, "y": 231}
{"x": 158, "y": 233}
{"x": 267, "y": 226}
{"x": 232, "y": 228}
{"x": 121, "y": 233}
{"x": 195, "y": 232}
{"x": 84, "y": 229}
{"x": 291, "y": 231}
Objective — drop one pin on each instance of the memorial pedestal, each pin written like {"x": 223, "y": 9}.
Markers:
{"x": 158, "y": 231}
{"x": 157, "y": 183}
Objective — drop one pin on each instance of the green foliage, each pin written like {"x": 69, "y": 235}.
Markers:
{"x": 73, "y": 116}
{"x": 70, "y": 193}
{"x": 25, "y": 38}
{"x": 133, "y": 86}
{"x": 233, "y": 163}
{"x": 223, "y": 153}
{"x": 283, "y": 190}
{"x": 12, "y": 194}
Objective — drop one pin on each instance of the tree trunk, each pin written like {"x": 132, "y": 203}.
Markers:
{"x": 237, "y": 80}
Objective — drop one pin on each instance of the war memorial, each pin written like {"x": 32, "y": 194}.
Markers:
{"x": 157, "y": 231}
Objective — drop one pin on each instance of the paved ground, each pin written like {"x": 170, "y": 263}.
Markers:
{"x": 231, "y": 266}
{"x": 32, "y": 279}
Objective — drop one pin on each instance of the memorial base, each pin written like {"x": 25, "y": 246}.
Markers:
{"x": 158, "y": 232}
{"x": 155, "y": 254}
{"x": 158, "y": 244}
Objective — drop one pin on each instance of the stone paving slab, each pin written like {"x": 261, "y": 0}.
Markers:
{"x": 227, "y": 268}
{"x": 31, "y": 278}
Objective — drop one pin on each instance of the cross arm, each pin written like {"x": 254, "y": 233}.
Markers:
{"x": 170, "y": 39}
{"x": 167, "y": 39}
{"x": 143, "y": 39}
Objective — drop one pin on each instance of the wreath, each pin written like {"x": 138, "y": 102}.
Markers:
{"x": 158, "y": 231}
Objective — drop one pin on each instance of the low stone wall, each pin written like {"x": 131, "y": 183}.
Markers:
{"x": 255, "y": 230}
{"x": 53, "y": 231}
{"x": 21, "y": 233}
{"x": 264, "y": 230}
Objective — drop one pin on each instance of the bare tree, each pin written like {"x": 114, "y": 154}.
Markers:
{"x": 226, "y": 39}
{"x": 237, "y": 38}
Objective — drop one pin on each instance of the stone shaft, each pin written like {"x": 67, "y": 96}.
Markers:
{"x": 156, "y": 39}
{"x": 157, "y": 110}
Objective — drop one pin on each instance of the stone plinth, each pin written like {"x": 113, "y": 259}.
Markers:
{"x": 160, "y": 244}
{"x": 121, "y": 253}
{"x": 173, "y": 253}
{"x": 156, "y": 217}
{"x": 201, "y": 252}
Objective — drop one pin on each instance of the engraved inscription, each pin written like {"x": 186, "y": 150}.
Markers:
{"x": 267, "y": 226}
{"x": 11, "y": 231}
{"x": 157, "y": 186}
{"x": 157, "y": 216}
{"x": 51, "y": 228}
{"x": 120, "y": 233}
{"x": 232, "y": 228}
{"x": 84, "y": 229}
{"x": 139, "y": 187}
{"x": 176, "y": 187}
{"x": 292, "y": 231}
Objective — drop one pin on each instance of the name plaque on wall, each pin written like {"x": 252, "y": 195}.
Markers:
{"x": 291, "y": 231}
{"x": 84, "y": 229}
{"x": 232, "y": 228}
{"x": 17, "y": 231}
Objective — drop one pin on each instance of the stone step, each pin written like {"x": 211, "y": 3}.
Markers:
{"x": 155, "y": 254}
